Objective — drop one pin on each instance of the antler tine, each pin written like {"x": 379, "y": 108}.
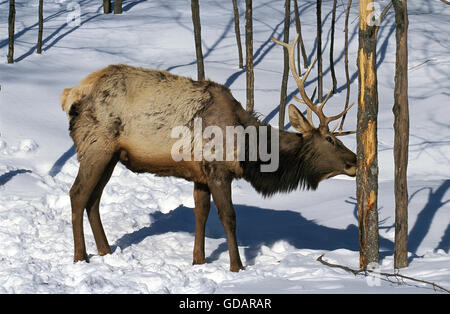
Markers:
{"x": 300, "y": 81}
{"x": 332, "y": 118}
{"x": 344, "y": 133}
{"x": 317, "y": 109}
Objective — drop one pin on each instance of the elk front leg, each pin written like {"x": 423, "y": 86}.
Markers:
{"x": 202, "y": 199}
{"x": 221, "y": 192}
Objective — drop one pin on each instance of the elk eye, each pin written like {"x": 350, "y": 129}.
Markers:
{"x": 330, "y": 140}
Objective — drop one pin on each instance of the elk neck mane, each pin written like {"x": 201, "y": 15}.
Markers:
{"x": 296, "y": 169}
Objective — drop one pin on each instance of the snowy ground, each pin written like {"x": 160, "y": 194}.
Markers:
{"x": 148, "y": 220}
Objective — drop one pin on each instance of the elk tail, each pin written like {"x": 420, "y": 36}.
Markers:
{"x": 63, "y": 98}
{"x": 72, "y": 95}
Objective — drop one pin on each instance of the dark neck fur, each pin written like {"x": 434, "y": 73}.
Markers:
{"x": 295, "y": 170}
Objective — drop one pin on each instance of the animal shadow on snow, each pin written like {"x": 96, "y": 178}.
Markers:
{"x": 255, "y": 227}
{"x": 4, "y": 178}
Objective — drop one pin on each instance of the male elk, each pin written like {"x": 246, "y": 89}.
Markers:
{"x": 123, "y": 113}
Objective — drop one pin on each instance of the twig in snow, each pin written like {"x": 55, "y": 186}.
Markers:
{"x": 387, "y": 275}
{"x": 420, "y": 64}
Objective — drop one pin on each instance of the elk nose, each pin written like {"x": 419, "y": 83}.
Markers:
{"x": 350, "y": 169}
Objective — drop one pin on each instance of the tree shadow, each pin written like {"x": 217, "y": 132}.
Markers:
{"x": 425, "y": 218}
{"x": 4, "y": 178}
{"x": 32, "y": 27}
{"x": 258, "y": 56}
{"x": 128, "y": 5}
{"x": 208, "y": 50}
{"x": 58, "y": 30}
{"x": 255, "y": 227}
{"x": 445, "y": 241}
{"x": 59, "y": 164}
{"x": 423, "y": 222}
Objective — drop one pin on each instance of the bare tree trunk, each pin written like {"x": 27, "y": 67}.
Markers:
{"x": 319, "y": 51}
{"x": 237, "y": 31}
{"x": 333, "y": 22}
{"x": 300, "y": 46}
{"x": 249, "y": 55}
{"x": 107, "y": 6}
{"x": 284, "y": 81}
{"x": 11, "y": 21}
{"x": 117, "y": 6}
{"x": 347, "y": 75}
{"x": 366, "y": 137}
{"x": 198, "y": 39}
{"x": 401, "y": 138}
{"x": 41, "y": 26}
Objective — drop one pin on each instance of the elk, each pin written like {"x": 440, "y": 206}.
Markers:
{"x": 125, "y": 114}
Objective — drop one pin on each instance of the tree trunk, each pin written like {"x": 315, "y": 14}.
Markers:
{"x": 198, "y": 39}
{"x": 333, "y": 22}
{"x": 237, "y": 31}
{"x": 300, "y": 46}
{"x": 11, "y": 21}
{"x": 107, "y": 6}
{"x": 117, "y": 6}
{"x": 41, "y": 26}
{"x": 284, "y": 81}
{"x": 319, "y": 51}
{"x": 367, "y": 159}
{"x": 401, "y": 138}
{"x": 249, "y": 55}
{"x": 347, "y": 75}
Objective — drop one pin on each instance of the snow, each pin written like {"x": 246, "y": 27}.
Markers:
{"x": 149, "y": 220}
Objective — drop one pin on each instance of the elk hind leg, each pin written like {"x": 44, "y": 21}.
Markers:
{"x": 202, "y": 199}
{"x": 92, "y": 167}
{"x": 93, "y": 210}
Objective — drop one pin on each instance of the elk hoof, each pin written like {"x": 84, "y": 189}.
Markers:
{"x": 104, "y": 252}
{"x": 198, "y": 261}
{"x": 80, "y": 258}
{"x": 236, "y": 268}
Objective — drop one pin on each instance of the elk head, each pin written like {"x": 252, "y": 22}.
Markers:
{"x": 330, "y": 154}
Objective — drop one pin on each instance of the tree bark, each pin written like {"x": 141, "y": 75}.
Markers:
{"x": 41, "y": 26}
{"x": 237, "y": 31}
{"x": 333, "y": 22}
{"x": 107, "y": 6}
{"x": 11, "y": 21}
{"x": 117, "y": 6}
{"x": 367, "y": 155}
{"x": 249, "y": 55}
{"x": 401, "y": 139}
{"x": 300, "y": 46}
{"x": 198, "y": 39}
{"x": 284, "y": 81}
{"x": 319, "y": 51}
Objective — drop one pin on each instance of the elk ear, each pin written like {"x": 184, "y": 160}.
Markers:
{"x": 298, "y": 120}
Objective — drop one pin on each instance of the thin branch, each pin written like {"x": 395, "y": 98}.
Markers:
{"x": 333, "y": 22}
{"x": 351, "y": 270}
{"x": 446, "y": 2}
{"x": 301, "y": 46}
{"x": 347, "y": 75}
{"x": 383, "y": 13}
{"x": 238, "y": 33}
{"x": 387, "y": 275}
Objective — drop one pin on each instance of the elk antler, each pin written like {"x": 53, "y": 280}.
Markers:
{"x": 317, "y": 109}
